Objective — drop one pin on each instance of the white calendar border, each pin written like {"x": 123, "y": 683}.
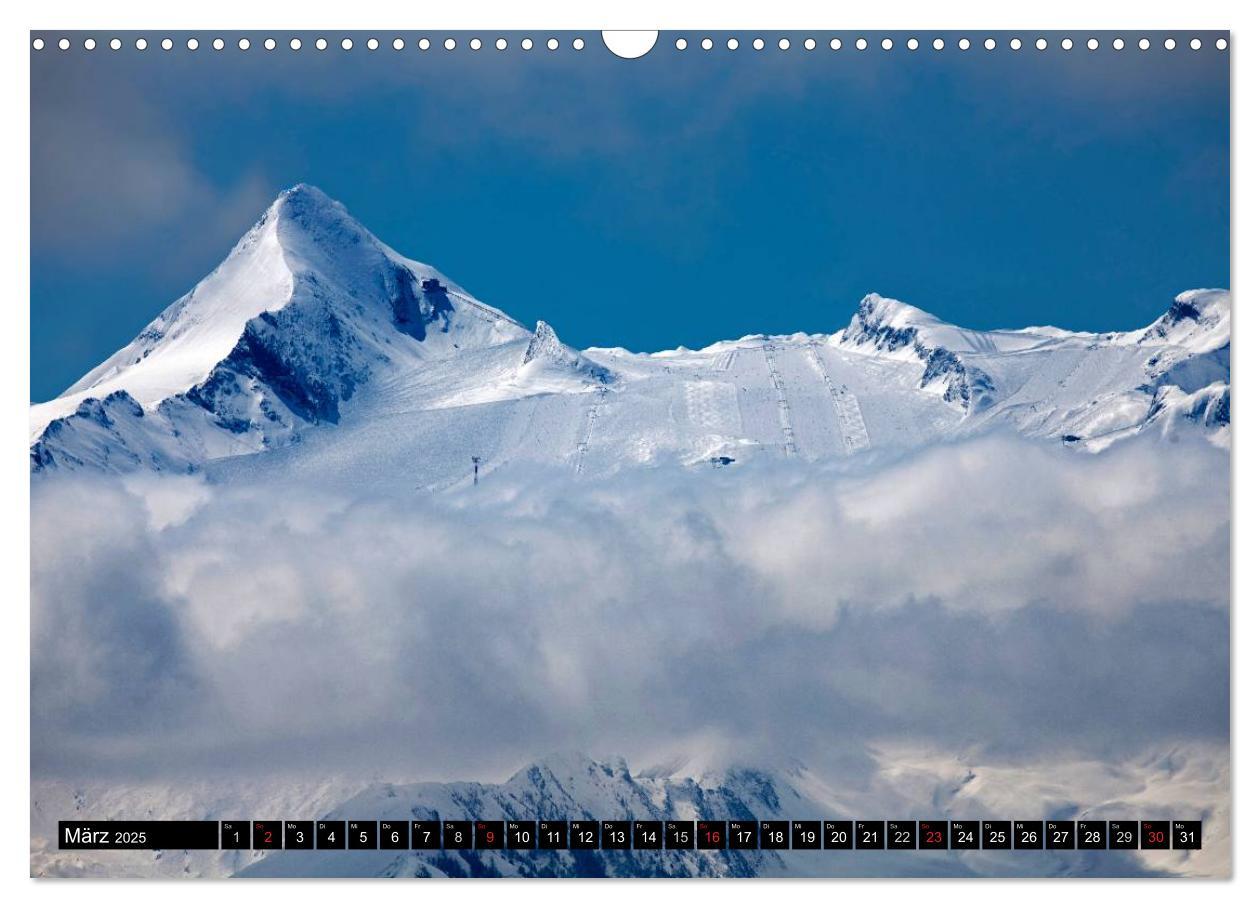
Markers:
{"x": 572, "y": 14}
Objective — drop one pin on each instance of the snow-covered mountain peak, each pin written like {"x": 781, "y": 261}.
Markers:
{"x": 547, "y": 361}
{"x": 1198, "y": 320}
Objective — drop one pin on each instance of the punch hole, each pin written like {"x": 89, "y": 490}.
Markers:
{"x": 630, "y": 45}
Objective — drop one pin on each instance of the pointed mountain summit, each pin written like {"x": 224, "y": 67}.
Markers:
{"x": 307, "y": 308}
{"x": 546, "y": 353}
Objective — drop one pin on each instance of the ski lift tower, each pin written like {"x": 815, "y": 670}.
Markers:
{"x": 476, "y": 467}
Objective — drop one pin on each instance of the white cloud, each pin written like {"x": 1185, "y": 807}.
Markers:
{"x": 995, "y": 595}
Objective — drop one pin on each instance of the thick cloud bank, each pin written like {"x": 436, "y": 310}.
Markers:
{"x": 996, "y": 597}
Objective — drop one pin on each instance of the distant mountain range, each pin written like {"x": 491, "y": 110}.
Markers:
{"x": 316, "y": 350}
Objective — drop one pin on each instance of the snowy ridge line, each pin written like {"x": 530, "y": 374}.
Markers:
{"x": 852, "y": 426}
{"x": 785, "y": 411}
{"x": 482, "y": 309}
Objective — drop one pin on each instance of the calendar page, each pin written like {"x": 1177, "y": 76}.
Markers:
{"x": 659, "y": 454}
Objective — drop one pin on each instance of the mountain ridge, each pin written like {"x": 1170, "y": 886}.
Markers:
{"x": 310, "y": 313}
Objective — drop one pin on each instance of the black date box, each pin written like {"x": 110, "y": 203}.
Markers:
{"x": 995, "y": 834}
{"x": 267, "y": 834}
{"x": 680, "y": 834}
{"x": 488, "y": 834}
{"x": 1029, "y": 835}
{"x": 775, "y": 834}
{"x": 837, "y": 835}
{"x": 900, "y": 835}
{"x": 964, "y": 835}
{"x": 553, "y": 835}
{"x": 330, "y": 834}
{"x": 426, "y": 835}
{"x": 1091, "y": 835}
{"x": 457, "y": 835}
{"x": 234, "y": 834}
{"x": 1060, "y": 834}
{"x": 522, "y": 835}
{"x": 362, "y": 835}
{"x": 1156, "y": 834}
{"x": 711, "y": 834}
{"x": 299, "y": 834}
{"x": 742, "y": 835}
{"x": 583, "y": 835}
{"x": 615, "y": 835}
{"x": 395, "y": 835}
{"x": 807, "y": 835}
{"x": 1122, "y": 835}
{"x": 933, "y": 835}
{"x": 649, "y": 835}
{"x": 868, "y": 834}
{"x": 1187, "y": 834}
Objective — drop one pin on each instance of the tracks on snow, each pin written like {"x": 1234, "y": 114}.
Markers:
{"x": 592, "y": 415}
{"x": 852, "y": 426}
{"x": 785, "y": 411}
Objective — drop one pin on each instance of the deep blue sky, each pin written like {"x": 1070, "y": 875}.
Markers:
{"x": 677, "y": 199}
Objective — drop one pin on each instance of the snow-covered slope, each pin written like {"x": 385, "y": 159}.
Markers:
{"x": 313, "y": 331}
